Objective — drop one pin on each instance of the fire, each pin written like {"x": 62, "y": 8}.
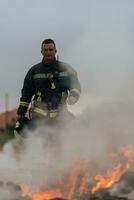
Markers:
{"x": 113, "y": 175}
{"x": 46, "y": 195}
{"x": 78, "y": 181}
{"x": 74, "y": 183}
{"x": 40, "y": 195}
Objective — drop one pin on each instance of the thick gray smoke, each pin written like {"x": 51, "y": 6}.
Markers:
{"x": 49, "y": 152}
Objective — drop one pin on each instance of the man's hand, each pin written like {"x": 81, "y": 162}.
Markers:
{"x": 21, "y": 113}
{"x": 71, "y": 100}
{"x": 20, "y": 118}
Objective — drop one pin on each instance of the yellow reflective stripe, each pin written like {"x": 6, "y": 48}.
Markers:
{"x": 23, "y": 103}
{"x": 63, "y": 97}
{"x": 63, "y": 94}
{"x": 39, "y": 98}
{"x": 53, "y": 86}
{"x": 40, "y": 111}
{"x": 53, "y": 114}
{"x": 76, "y": 91}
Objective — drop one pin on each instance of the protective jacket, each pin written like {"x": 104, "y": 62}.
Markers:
{"x": 49, "y": 86}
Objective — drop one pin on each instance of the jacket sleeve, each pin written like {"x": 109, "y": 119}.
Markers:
{"x": 75, "y": 87}
{"x": 26, "y": 93}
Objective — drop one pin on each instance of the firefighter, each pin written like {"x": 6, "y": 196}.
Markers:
{"x": 50, "y": 85}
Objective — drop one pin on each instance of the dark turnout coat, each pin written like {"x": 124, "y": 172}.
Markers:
{"x": 49, "y": 85}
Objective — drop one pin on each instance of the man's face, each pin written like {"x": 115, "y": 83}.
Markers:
{"x": 48, "y": 51}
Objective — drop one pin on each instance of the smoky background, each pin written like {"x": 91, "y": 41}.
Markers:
{"x": 96, "y": 38}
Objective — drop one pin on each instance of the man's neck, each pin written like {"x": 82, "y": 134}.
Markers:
{"x": 49, "y": 62}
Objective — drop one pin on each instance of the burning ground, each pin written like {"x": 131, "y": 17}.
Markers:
{"x": 93, "y": 158}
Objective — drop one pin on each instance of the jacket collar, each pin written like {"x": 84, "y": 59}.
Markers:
{"x": 50, "y": 64}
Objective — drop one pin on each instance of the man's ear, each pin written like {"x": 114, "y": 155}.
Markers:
{"x": 41, "y": 51}
{"x": 55, "y": 51}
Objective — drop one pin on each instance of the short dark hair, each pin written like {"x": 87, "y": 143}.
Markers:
{"x": 48, "y": 41}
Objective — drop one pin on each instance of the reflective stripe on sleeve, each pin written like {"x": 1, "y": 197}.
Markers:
{"x": 23, "y": 103}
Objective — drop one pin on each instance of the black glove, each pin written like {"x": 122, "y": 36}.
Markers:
{"x": 20, "y": 125}
{"x": 22, "y": 110}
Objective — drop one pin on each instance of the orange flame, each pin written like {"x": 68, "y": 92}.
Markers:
{"x": 46, "y": 195}
{"x": 39, "y": 195}
{"x": 76, "y": 182}
{"x": 113, "y": 175}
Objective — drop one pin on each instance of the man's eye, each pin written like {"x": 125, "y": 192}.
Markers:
{"x": 48, "y": 49}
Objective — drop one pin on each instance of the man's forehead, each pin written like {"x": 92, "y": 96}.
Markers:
{"x": 49, "y": 45}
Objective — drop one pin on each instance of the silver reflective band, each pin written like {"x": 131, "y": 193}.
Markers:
{"x": 42, "y": 75}
{"x": 63, "y": 74}
{"x": 76, "y": 91}
{"x": 50, "y": 75}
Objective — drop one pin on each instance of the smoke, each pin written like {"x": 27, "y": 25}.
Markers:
{"x": 101, "y": 129}
{"x": 9, "y": 191}
{"x": 125, "y": 187}
{"x": 105, "y": 68}
{"x": 50, "y": 151}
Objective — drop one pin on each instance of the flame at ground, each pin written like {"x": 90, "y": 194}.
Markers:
{"x": 113, "y": 175}
{"x": 79, "y": 180}
{"x": 46, "y": 195}
{"x": 40, "y": 195}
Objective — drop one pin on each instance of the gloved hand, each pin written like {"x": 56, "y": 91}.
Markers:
{"x": 21, "y": 123}
{"x": 22, "y": 110}
{"x": 21, "y": 113}
{"x": 20, "y": 118}
{"x": 71, "y": 100}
